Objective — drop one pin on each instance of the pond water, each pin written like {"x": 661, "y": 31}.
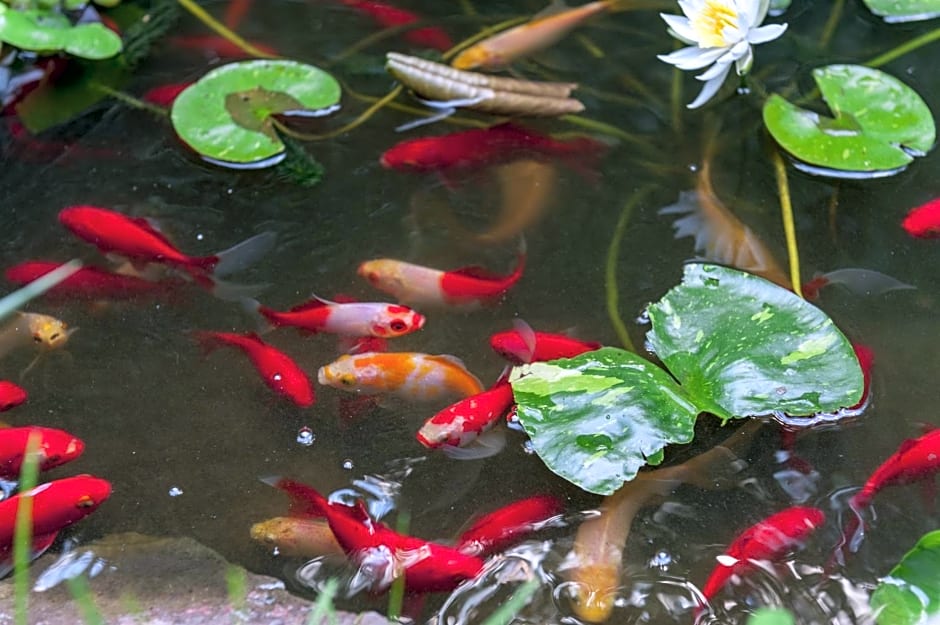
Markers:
{"x": 185, "y": 438}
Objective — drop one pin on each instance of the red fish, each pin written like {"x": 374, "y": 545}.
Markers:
{"x": 767, "y": 540}
{"x": 923, "y": 222}
{"x": 427, "y": 566}
{"x": 164, "y": 95}
{"x": 138, "y": 240}
{"x": 90, "y": 283}
{"x": 235, "y": 12}
{"x": 218, "y": 46}
{"x": 479, "y": 147}
{"x": 461, "y": 423}
{"x": 56, "y": 505}
{"x": 916, "y": 459}
{"x": 346, "y": 318}
{"x": 55, "y": 447}
{"x": 501, "y": 528}
{"x": 277, "y": 369}
{"x": 467, "y": 288}
{"x": 388, "y": 16}
{"x": 524, "y": 345}
{"x": 11, "y": 395}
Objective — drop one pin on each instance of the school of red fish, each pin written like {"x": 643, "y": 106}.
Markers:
{"x": 147, "y": 264}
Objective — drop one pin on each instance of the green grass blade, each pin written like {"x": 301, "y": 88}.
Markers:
{"x": 78, "y": 587}
{"x": 323, "y": 607}
{"x": 23, "y": 531}
{"x": 15, "y": 300}
{"x": 507, "y": 612}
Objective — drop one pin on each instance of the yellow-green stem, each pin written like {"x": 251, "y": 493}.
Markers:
{"x": 904, "y": 48}
{"x": 835, "y": 13}
{"x": 199, "y": 13}
{"x": 786, "y": 211}
{"x": 130, "y": 100}
{"x": 610, "y": 273}
{"x": 364, "y": 117}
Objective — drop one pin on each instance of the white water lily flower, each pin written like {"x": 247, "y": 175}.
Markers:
{"x": 721, "y": 32}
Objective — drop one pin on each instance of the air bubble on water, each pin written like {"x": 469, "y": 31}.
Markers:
{"x": 199, "y": 236}
{"x": 693, "y": 167}
{"x": 528, "y": 447}
{"x": 661, "y": 560}
{"x": 306, "y": 437}
{"x": 175, "y": 491}
{"x": 348, "y": 464}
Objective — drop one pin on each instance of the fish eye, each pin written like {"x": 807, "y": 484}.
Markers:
{"x": 37, "y": 338}
{"x": 85, "y": 502}
{"x": 372, "y": 276}
{"x": 398, "y": 325}
{"x": 346, "y": 380}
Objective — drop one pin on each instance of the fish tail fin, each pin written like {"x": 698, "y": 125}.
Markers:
{"x": 583, "y": 157}
{"x": 304, "y": 500}
{"x": 259, "y": 313}
{"x": 240, "y": 256}
{"x": 862, "y": 282}
{"x": 231, "y": 291}
{"x": 485, "y": 445}
{"x": 207, "y": 340}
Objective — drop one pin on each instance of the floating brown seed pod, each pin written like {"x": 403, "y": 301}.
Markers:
{"x": 480, "y": 92}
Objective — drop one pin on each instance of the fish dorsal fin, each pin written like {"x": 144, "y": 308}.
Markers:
{"x": 527, "y": 334}
{"x": 477, "y": 272}
{"x": 449, "y": 360}
{"x": 906, "y": 446}
{"x": 342, "y": 298}
{"x": 312, "y": 304}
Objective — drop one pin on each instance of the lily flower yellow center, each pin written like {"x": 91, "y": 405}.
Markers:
{"x": 711, "y": 23}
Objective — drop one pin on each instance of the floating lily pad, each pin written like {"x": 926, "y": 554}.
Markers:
{"x": 911, "y": 591}
{"x": 597, "y": 418}
{"x": 771, "y": 616}
{"x": 743, "y": 346}
{"x": 904, "y": 10}
{"x": 48, "y": 31}
{"x": 879, "y": 124}
{"x": 226, "y": 115}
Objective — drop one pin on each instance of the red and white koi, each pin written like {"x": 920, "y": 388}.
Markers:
{"x": 55, "y": 447}
{"x": 376, "y": 319}
{"x": 408, "y": 375}
{"x": 426, "y": 566}
{"x": 769, "y": 539}
{"x": 461, "y": 424}
{"x": 467, "y": 288}
{"x": 277, "y": 369}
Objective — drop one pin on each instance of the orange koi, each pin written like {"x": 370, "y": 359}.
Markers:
{"x": 297, "y": 536}
{"x": 542, "y": 31}
{"x": 409, "y": 375}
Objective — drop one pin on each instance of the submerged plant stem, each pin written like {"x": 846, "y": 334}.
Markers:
{"x": 199, "y": 13}
{"x": 610, "y": 273}
{"x": 23, "y": 530}
{"x": 835, "y": 14}
{"x": 605, "y": 128}
{"x": 904, "y": 48}
{"x": 131, "y": 101}
{"x": 364, "y": 117}
{"x": 507, "y": 612}
{"x": 80, "y": 592}
{"x": 786, "y": 210}
{"x": 396, "y": 594}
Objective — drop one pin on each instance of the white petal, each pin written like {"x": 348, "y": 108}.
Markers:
{"x": 740, "y": 49}
{"x": 680, "y": 27}
{"x": 692, "y": 57}
{"x": 718, "y": 69}
{"x": 691, "y": 7}
{"x": 710, "y": 89}
{"x": 746, "y": 12}
{"x": 762, "y": 7}
{"x": 743, "y": 65}
{"x": 766, "y": 33}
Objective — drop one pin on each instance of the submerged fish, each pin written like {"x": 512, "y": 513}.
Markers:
{"x": 523, "y": 345}
{"x": 11, "y": 395}
{"x": 388, "y": 16}
{"x": 497, "y": 530}
{"x": 357, "y": 319}
{"x": 54, "y": 447}
{"x": 408, "y": 375}
{"x": 297, "y": 536}
{"x": 923, "y": 222}
{"x": 90, "y": 283}
{"x": 461, "y": 424}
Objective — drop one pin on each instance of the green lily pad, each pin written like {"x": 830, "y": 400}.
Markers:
{"x": 880, "y": 123}
{"x": 48, "y": 31}
{"x": 904, "y": 10}
{"x": 911, "y": 591}
{"x": 743, "y": 346}
{"x": 597, "y": 418}
{"x": 226, "y": 115}
{"x": 771, "y": 616}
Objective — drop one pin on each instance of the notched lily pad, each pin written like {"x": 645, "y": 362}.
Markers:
{"x": 879, "y": 124}
{"x": 596, "y": 419}
{"x": 904, "y": 10}
{"x": 742, "y": 346}
{"x": 911, "y": 592}
{"x": 226, "y": 115}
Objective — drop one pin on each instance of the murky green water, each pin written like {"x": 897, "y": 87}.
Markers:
{"x": 156, "y": 415}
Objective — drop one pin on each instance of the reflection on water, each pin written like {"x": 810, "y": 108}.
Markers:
{"x": 185, "y": 440}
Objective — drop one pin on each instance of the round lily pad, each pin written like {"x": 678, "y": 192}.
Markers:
{"x": 48, "y": 31}
{"x": 904, "y": 10}
{"x": 879, "y": 124}
{"x": 910, "y": 594}
{"x": 226, "y": 115}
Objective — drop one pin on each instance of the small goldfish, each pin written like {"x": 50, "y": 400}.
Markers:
{"x": 426, "y": 566}
{"x": 213, "y": 45}
{"x": 297, "y": 536}
{"x": 388, "y": 16}
{"x": 55, "y": 447}
{"x": 523, "y": 345}
{"x": 542, "y": 31}
{"x": 481, "y": 147}
{"x": 90, "y": 283}
{"x": 56, "y": 505}
{"x": 467, "y": 288}
{"x": 497, "y": 530}
{"x": 411, "y": 376}
{"x": 235, "y": 12}
{"x": 11, "y": 395}
{"x": 916, "y": 459}
{"x": 923, "y": 222}
{"x": 462, "y": 423}
{"x": 277, "y": 369}
{"x": 769, "y": 539}
{"x": 377, "y": 319}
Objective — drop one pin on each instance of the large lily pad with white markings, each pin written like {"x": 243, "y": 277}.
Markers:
{"x": 904, "y": 10}
{"x": 596, "y": 419}
{"x": 226, "y": 116}
{"x": 911, "y": 592}
{"x": 878, "y": 124}
{"x": 743, "y": 346}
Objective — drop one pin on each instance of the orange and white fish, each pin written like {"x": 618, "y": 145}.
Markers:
{"x": 409, "y": 375}
{"x": 540, "y": 32}
{"x": 467, "y": 288}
